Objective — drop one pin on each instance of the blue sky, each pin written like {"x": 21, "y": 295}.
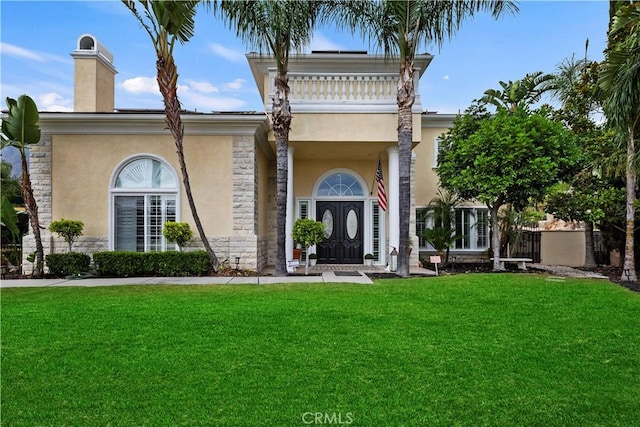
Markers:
{"x": 37, "y": 38}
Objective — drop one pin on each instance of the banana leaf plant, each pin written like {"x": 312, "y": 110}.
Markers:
{"x": 20, "y": 129}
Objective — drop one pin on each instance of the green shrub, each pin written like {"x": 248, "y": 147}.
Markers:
{"x": 178, "y": 232}
{"x": 68, "y": 229}
{"x": 126, "y": 264}
{"x": 67, "y": 264}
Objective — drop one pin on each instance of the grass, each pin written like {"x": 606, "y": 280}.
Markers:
{"x": 478, "y": 349}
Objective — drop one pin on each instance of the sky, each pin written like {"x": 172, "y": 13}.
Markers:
{"x": 37, "y": 38}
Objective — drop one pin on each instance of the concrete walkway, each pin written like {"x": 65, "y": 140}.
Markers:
{"x": 327, "y": 277}
{"x": 354, "y": 276}
{"x": 349, "y": 274}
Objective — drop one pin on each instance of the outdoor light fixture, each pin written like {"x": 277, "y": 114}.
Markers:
{"x": 393, "y": 260}
{"x": 237, "y": 262}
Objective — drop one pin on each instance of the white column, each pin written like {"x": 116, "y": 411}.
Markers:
{"x": 290, "y": 206}
{"x": 393, "y": 195}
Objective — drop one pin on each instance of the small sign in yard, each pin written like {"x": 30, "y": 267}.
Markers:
{"x": 435, "y": 259}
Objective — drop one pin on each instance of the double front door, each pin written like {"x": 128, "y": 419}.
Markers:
{"x": 344, "y": 228}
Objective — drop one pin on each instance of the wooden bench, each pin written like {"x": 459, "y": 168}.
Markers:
{"x": 520, "y": 261}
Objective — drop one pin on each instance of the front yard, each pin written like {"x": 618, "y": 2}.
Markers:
{"x": 469, "y": 349}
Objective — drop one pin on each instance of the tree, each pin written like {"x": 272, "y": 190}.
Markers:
{"x": 10, "y": 185}
{"x": 620, "y": 82}
{"x": 440, "y": 211}
{"x": 308, "y": 232}
{"x": 20, "y": 129}
{"x": 519, "y": 93}
{"x": 69, "y": 229}
{"x": 178, "y": 232}
{"x": 509, "y": 158}
{"x": 277, "y": 27}
{"x": 8, "y": 217}
{"x": 400, "y": 28}
{"x": 168, "y": 22}
{"x": 580, "y": 198}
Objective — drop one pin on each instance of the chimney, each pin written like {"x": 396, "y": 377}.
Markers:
{"x": 94, "y": 79}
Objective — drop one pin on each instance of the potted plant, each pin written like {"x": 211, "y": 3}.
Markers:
{"x": 308, "y": 232}
{"x": 368, "y": 260}
{"x": 313, "y": 259}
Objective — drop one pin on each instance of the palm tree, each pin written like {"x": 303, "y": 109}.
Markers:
{"x": 517, "y": 93}
{"x": 620, "y": 81}
{"x": 574, "y": 85}
{"x": 20, "y": 129}
{"x": 440, "y": 210}
{"x": 167, "y": 22}
{"x": 277, "y": 27}
{"x": 400, "y": 28}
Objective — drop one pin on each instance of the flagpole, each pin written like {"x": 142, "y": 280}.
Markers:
{"x": 373, "y": 181}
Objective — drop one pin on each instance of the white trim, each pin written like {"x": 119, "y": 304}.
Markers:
{"x": 290, "y": 207}
{"x": 151, "y": 123}
{"x": 113, "y": 191}
{"x": 365, "y": 187}
{"x": 366, "y": 198}
{"x": 436, "y": 150}
{"x": 393, "y": 195}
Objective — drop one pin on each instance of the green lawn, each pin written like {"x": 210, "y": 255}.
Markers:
{"x": 477, "y": 349}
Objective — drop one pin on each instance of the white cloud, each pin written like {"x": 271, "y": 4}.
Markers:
{"x": 196, "y": 101}
{"x": 31, "y": 55}
{"x": 320, "y": 42}
{"x": 237, "y": 84}
{"x": 13, "y": 50}
{"x": 54, "y": 102}
{"x": 445, "y": 77}
{"x": 203, "y": 87}
{"x": 140, "y": 85}
{"x": 226, "y": 53}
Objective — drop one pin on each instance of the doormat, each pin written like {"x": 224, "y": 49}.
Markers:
{"x": 347, "y": 273}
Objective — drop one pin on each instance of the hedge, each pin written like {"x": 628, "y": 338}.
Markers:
{"x": 67, "y": 264}
{"x": 126, "y": 264}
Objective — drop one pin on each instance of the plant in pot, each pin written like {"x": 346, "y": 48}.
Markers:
{"x": 308, "y": 232}
{"x": 313, "y": 259}
{"x": 368, "y": 260}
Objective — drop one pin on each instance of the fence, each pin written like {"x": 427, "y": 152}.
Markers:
{"x": 526, "y": 245}
{"x": 11, "y": 256}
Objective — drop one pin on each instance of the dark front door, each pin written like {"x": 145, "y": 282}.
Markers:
{"x": 343, "y": 224}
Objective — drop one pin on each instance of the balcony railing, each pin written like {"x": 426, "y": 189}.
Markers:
{"x": 343, "y": 91}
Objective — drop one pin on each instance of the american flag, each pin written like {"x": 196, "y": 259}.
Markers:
{"x": 382, "y": 194}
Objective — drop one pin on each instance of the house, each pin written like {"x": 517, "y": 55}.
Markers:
{"x": 116, "y": 169}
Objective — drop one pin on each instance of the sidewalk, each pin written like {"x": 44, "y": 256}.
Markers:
{"x": 353, "y": 276}
{"x": 328, "y": 277}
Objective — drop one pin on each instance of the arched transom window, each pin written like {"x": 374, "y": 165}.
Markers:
{"x": 144, "y": 197}
{"x": 340, "y": 184}
{"x": 145, "y": 173}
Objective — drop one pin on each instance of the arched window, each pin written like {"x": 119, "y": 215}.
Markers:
{"x": 340, "y": 184}
{"x": 144, "y": 196}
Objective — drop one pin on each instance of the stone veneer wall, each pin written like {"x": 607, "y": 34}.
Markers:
{"x": 40, "y": 172}
{"x": 244, "y": 243}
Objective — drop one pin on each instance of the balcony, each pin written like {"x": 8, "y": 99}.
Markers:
{"x": 336, "y": 83}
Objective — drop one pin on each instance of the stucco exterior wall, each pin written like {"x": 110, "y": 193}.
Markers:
{"x": 351, "y": 127}
{"x": 307, "y": 172}
{"x": 562, "y": 248}
{"x": 83, "y": 165}
{"x": 426, "y": 175}
{"x": 94, "y": 86}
